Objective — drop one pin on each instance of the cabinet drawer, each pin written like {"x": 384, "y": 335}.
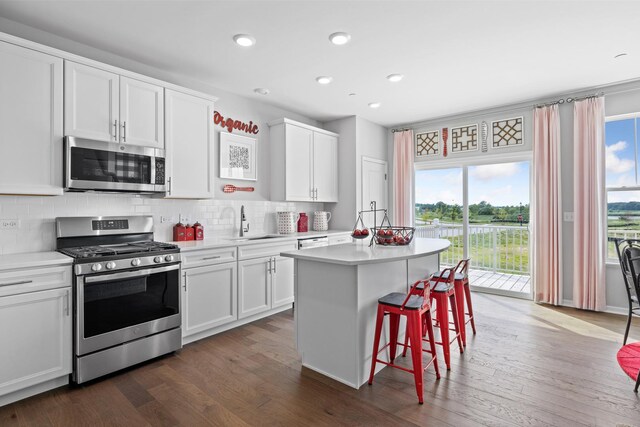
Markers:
{"x": 208, "y": 257}
{"x": 339, "y": 239}
{"x": 20, "y": 281}
{"x": 269, "y": 249}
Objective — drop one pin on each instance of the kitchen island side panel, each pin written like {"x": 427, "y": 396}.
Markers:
{"x": 325, "y": 306}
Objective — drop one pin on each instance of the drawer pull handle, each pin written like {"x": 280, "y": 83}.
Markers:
{"x": 211, "y": 257}
{"x": 20, "y": 282}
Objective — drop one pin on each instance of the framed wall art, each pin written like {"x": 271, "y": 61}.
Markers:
{"x": 464, "y": 138}
{"x": 237, "y": 157}
{"x": 427, "y": 143}
{"x": 507, "y": 132}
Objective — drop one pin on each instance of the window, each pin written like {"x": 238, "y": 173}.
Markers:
{"x": 622, "y": 178}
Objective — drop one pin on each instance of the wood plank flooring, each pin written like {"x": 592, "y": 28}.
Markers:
{"x": 529, "y": 365}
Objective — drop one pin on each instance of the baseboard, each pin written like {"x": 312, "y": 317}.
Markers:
{"x": 608, "y": 309}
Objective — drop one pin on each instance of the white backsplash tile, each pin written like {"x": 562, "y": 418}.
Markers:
{"x": 219, "y": 217}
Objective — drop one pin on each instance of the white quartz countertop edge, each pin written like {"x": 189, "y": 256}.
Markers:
{"x": 359, "y": 253}
{"x": 225, "y": 242}
{"x": 33, "y": 259}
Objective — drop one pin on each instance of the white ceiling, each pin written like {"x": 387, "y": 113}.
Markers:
{"x": 456, "y": 55}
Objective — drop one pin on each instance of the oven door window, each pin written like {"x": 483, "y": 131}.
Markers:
{"x": 117, "y": 304}
{"x": 109, "y": 166}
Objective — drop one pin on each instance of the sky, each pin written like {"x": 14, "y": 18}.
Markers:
{"x": 621, "y": 159}
{"x": 502, "y": 184}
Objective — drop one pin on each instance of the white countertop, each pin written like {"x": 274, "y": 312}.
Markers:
{"x": 222, "y": 242}
{"x": 361, "y": 253}
{"x": 33, "y": 259}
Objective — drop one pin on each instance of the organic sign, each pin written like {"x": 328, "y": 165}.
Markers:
{"x": 231, "y": 124}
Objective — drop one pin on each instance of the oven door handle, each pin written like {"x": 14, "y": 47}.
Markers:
{"x": 127, "y": 274}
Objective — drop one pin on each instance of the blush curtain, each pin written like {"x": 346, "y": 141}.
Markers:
{"x": 403, "y": 207}
{"x": 547, "y": 224}
{"x": 589, "y": 204}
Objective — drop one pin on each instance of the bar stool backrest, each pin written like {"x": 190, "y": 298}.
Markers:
{"x": 425, "y": 293}
{"x": 463, "y": 267}
{"x": 446, "y": 276}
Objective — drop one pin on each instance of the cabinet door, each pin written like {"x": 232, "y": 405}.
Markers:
{"x": 90, "y": 102}
{"x": 37, "y": 345}
{"x": 30, "y": 122}
{"x": 189, "y": 121}
{"x": 325, "y": 167}
{"x": 282, "y": 281}
{"x": 254, "y": 286}
{"x": 298, "y": 163}
{"x": 141, "y": 113}
{"x": 210, "y": 297}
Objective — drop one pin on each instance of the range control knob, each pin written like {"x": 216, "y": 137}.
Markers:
{"x": 135, "y": 262}
{"x": 157, "y": 259}
{"x": 96, "y": 267}
{"x": 110, "y": 265}
{"x": 168, "y": 258}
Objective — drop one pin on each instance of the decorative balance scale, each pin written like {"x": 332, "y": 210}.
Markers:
{"x": 385, "y": 234}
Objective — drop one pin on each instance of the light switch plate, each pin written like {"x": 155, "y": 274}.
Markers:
{"x": 9, "y": 224}
{"x": 166, "y": 219}
{"x": 568, "y": 216}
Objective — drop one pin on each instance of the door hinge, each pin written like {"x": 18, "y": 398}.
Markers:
{"x": 385, "y": 176}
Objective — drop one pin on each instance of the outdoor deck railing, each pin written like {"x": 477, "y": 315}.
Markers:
{"x": 497, "y": 248}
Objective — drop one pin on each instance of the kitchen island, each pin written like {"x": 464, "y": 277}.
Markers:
{"x": 336, "y": 296}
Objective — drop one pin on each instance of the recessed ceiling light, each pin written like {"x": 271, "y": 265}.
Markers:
{"x": 262, "y": 91}
{"x": 395, "y": 77}
{"x": 620, "y": 55}
{"x": 374, "y": 104}
{"x": 352, "y": 94}
{"x": 340, "y": 38}
{"x": 324, "y": 80}
{"x": 244, "y": 40}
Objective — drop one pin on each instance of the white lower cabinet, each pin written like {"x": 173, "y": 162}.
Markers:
{"x": 36, "y": 338}
{"x": 254, "y": 286}
{"x": 282, "y": 281}
{"x": 210, "y": 297}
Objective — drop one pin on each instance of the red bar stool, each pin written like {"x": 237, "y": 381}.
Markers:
{"x": 463, "y": 292}
{"x": 444, "y": 293}
{"x": 415, "y": 306}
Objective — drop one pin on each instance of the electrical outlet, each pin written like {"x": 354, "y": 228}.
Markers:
{"x": 568, "y": 216}
{"x": 184, "y": 219}
{"x": 9, "y": 224}
{"x": 166, "y": 219}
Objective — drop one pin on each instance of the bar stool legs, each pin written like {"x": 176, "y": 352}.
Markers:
{"x": 443, "y": 320}
{"x": 467, "y": 294}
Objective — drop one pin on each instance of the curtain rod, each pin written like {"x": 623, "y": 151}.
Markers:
{"x": 399, "y": 130}
{"x": 568, "y": 100}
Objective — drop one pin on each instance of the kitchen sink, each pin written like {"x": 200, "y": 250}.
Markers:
{"x": 243, "y": 239}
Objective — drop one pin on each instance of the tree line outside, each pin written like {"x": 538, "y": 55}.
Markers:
{"x": 479, "y": 213}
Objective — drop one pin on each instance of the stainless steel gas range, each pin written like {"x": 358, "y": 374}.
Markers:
{"x": 126, "y": 292}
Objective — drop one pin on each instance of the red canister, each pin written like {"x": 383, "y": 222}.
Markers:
{"x": 179, "y": 232}
{"x": 189, "y": 232}
{"x": 198, "y": 231}
{"x": 303, "y": 223}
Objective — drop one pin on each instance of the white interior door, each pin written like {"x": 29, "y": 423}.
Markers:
{"x": 374, "y": 188}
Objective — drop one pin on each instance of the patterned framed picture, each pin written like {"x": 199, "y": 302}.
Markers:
{"x": 464, "y": 138}
{"x": 507, "y": 132}
{"x": 237, "y": 157}
{"x": 428, "y": 143}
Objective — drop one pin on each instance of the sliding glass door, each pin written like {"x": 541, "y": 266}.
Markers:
{"x": 484, "y": 211}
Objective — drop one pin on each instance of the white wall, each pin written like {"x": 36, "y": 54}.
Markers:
{"x": 219, "y": 216}
{"x": 619, "y": 99}
{"x": 358, "y": 138}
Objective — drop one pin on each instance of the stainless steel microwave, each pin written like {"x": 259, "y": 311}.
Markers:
{"x": 106, "y": 166}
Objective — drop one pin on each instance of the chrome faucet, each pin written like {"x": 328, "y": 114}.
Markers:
{"x": 243, "y": 220}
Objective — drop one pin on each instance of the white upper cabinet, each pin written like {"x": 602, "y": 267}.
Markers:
{"x": 141, "y": 113}
{"x": 304, "y": 163}
{"x": 91, "y": 103}
{"x": 189, "y": 141}
{"x": 299, "y": 163}
{"x": 109, "y": 107}
{"x": 325, "y": 167}
{"x": 30, "y": 121}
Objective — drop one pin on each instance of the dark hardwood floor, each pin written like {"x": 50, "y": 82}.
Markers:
{"x": 529, "y": 365}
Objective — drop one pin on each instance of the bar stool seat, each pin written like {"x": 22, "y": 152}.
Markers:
{"x": 415, "y": 306}
{"x": 445, "y": 274}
